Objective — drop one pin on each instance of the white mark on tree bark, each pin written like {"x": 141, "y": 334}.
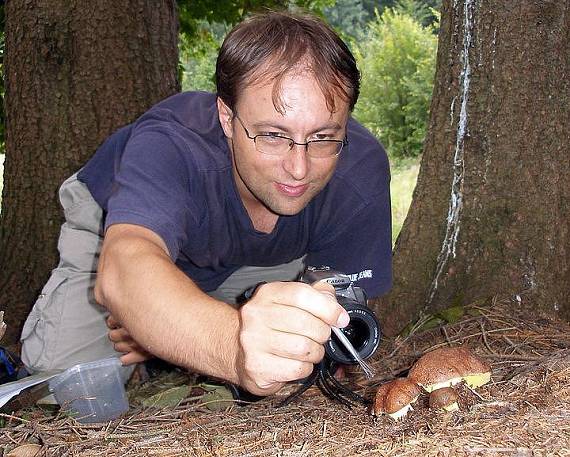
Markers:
{"x": 456, "y": 198}
{"x": 452, "y": 110}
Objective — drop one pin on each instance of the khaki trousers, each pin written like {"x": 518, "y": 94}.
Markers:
{"x": 66, "y": 325}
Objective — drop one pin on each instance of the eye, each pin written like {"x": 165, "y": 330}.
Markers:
{"x": 323, "y": 136}
{"x": 273, "y": 138}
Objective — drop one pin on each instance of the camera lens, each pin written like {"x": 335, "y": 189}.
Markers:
{"x": 357, "y": 333}
{"x": 363, "y": 332}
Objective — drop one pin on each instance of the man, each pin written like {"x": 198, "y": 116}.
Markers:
{"x": 204, "y": 196}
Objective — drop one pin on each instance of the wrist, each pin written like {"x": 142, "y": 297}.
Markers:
{"x": 234, "y": 349}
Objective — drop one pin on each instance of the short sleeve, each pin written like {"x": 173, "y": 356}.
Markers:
{"x": 152, "y": 189}
{"x": 362, "y": 247}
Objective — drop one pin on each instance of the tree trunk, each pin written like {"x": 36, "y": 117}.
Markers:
{"x": 75, "y": 71}
{"x": 491, "y": 209}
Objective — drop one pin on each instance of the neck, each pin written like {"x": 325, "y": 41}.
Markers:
{"x": 262, "y": 219}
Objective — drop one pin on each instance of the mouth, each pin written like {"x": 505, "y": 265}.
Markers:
{"x": 291, "y": 190}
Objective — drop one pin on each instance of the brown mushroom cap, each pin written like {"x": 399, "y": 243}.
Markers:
{"x": 395, "y": 398}
{"x": 449, "y": 366}
{"x": 445, "y": 398}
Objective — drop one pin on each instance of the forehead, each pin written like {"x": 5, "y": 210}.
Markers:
{"x": 294, "y": 95}
{"x": 281, "y": 88}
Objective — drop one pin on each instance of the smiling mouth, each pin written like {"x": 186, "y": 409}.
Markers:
{"x": 291, "y": 191}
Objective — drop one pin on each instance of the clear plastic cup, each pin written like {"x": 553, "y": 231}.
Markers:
{"x": 91, "y": 392}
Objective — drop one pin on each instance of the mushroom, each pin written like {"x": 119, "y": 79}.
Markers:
{"x": 446, "y": 367}
{"x": 395, "y": 398}
{"x": 445, "y": 398}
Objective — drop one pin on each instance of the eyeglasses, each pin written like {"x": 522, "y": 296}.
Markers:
{"x": 277, "y": 145}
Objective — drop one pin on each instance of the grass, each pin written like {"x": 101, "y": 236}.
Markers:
{"x": 404, "y": 177}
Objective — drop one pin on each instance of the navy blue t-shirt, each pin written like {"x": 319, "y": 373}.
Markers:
{"x": 171, "y": 172}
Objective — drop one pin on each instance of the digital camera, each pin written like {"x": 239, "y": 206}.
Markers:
{"x": 363, "y": 331}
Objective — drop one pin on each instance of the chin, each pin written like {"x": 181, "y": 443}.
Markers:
{"x": 287, "y": 206}
{"x": 288, "y": 209}
{"x": 289, "y": 212}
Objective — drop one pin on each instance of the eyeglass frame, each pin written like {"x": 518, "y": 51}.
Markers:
{"x": 292, "y": 142}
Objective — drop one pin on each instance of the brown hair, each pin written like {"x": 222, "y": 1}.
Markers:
{"x": 269, "y": 45}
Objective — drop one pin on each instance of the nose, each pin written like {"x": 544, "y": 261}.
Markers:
{"x": 296, "y": 162}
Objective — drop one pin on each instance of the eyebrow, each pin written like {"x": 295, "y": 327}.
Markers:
{"x": 271, "y": 125}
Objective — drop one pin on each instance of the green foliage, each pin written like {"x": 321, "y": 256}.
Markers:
{"x": 199, "y": 62}
{"x": 426, "y": 12}
{"x": 193, "y": 12}
{"x": 204, "y": 23}
{"x": 397, "y": 61}
{"x": 349, "y": 18}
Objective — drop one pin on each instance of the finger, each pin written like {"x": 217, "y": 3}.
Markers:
{"x": 135, "y": 357}
{"x": 124, "y": 347}
{"x": 300, "y": 322}
{"x": 119, "y": 334}
{"x": 329, "y": 290}
{"x": 271, "y": 369}
{"x": 288, "y": 370}
{"x": 112, "y": 323}
{"x": 270, "y": 388}
{"x": 324, "y": 288}
{"x": 296, "y": 347}
{"x": 320, "y": 301}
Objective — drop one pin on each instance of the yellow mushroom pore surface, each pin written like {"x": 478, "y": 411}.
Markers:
{"x": 395, "y": 398}
{"x": 446, "y": 367}
{"x": 477, "y": 380}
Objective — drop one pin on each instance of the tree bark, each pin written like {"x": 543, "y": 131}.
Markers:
{"x": 491, "y": 210}
{"x": 75, "y": 71}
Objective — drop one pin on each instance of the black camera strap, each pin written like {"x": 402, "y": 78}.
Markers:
{"x": 323, "y": 377}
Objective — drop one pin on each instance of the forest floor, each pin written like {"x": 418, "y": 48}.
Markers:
{"x": 523, "y": 411}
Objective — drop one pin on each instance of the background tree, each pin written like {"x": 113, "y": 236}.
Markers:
{"x": 349, "y": 17}
{"x": 397, "y": 60}
{"x": 2, "y": 119}
{"x": 490, "y": 212}
{"x": 74, "y": 72}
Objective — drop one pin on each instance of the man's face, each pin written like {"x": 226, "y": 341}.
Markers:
{"x": 282, "y": 185}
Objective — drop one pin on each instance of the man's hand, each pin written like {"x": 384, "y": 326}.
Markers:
{"x": 282, "y": 331}
{"x": 123, "y": 342}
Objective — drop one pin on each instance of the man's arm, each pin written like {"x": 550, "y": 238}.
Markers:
{"x": 276, "y": 337}
{"x": 160, "y": 307}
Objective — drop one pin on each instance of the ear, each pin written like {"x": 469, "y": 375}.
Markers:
{"x": 226, "y": 116}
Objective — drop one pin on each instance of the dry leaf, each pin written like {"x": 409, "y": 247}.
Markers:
{"x": 169, "y": 398}
{"x": 216, "y": 398}
{"x": 25, "y": 450}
